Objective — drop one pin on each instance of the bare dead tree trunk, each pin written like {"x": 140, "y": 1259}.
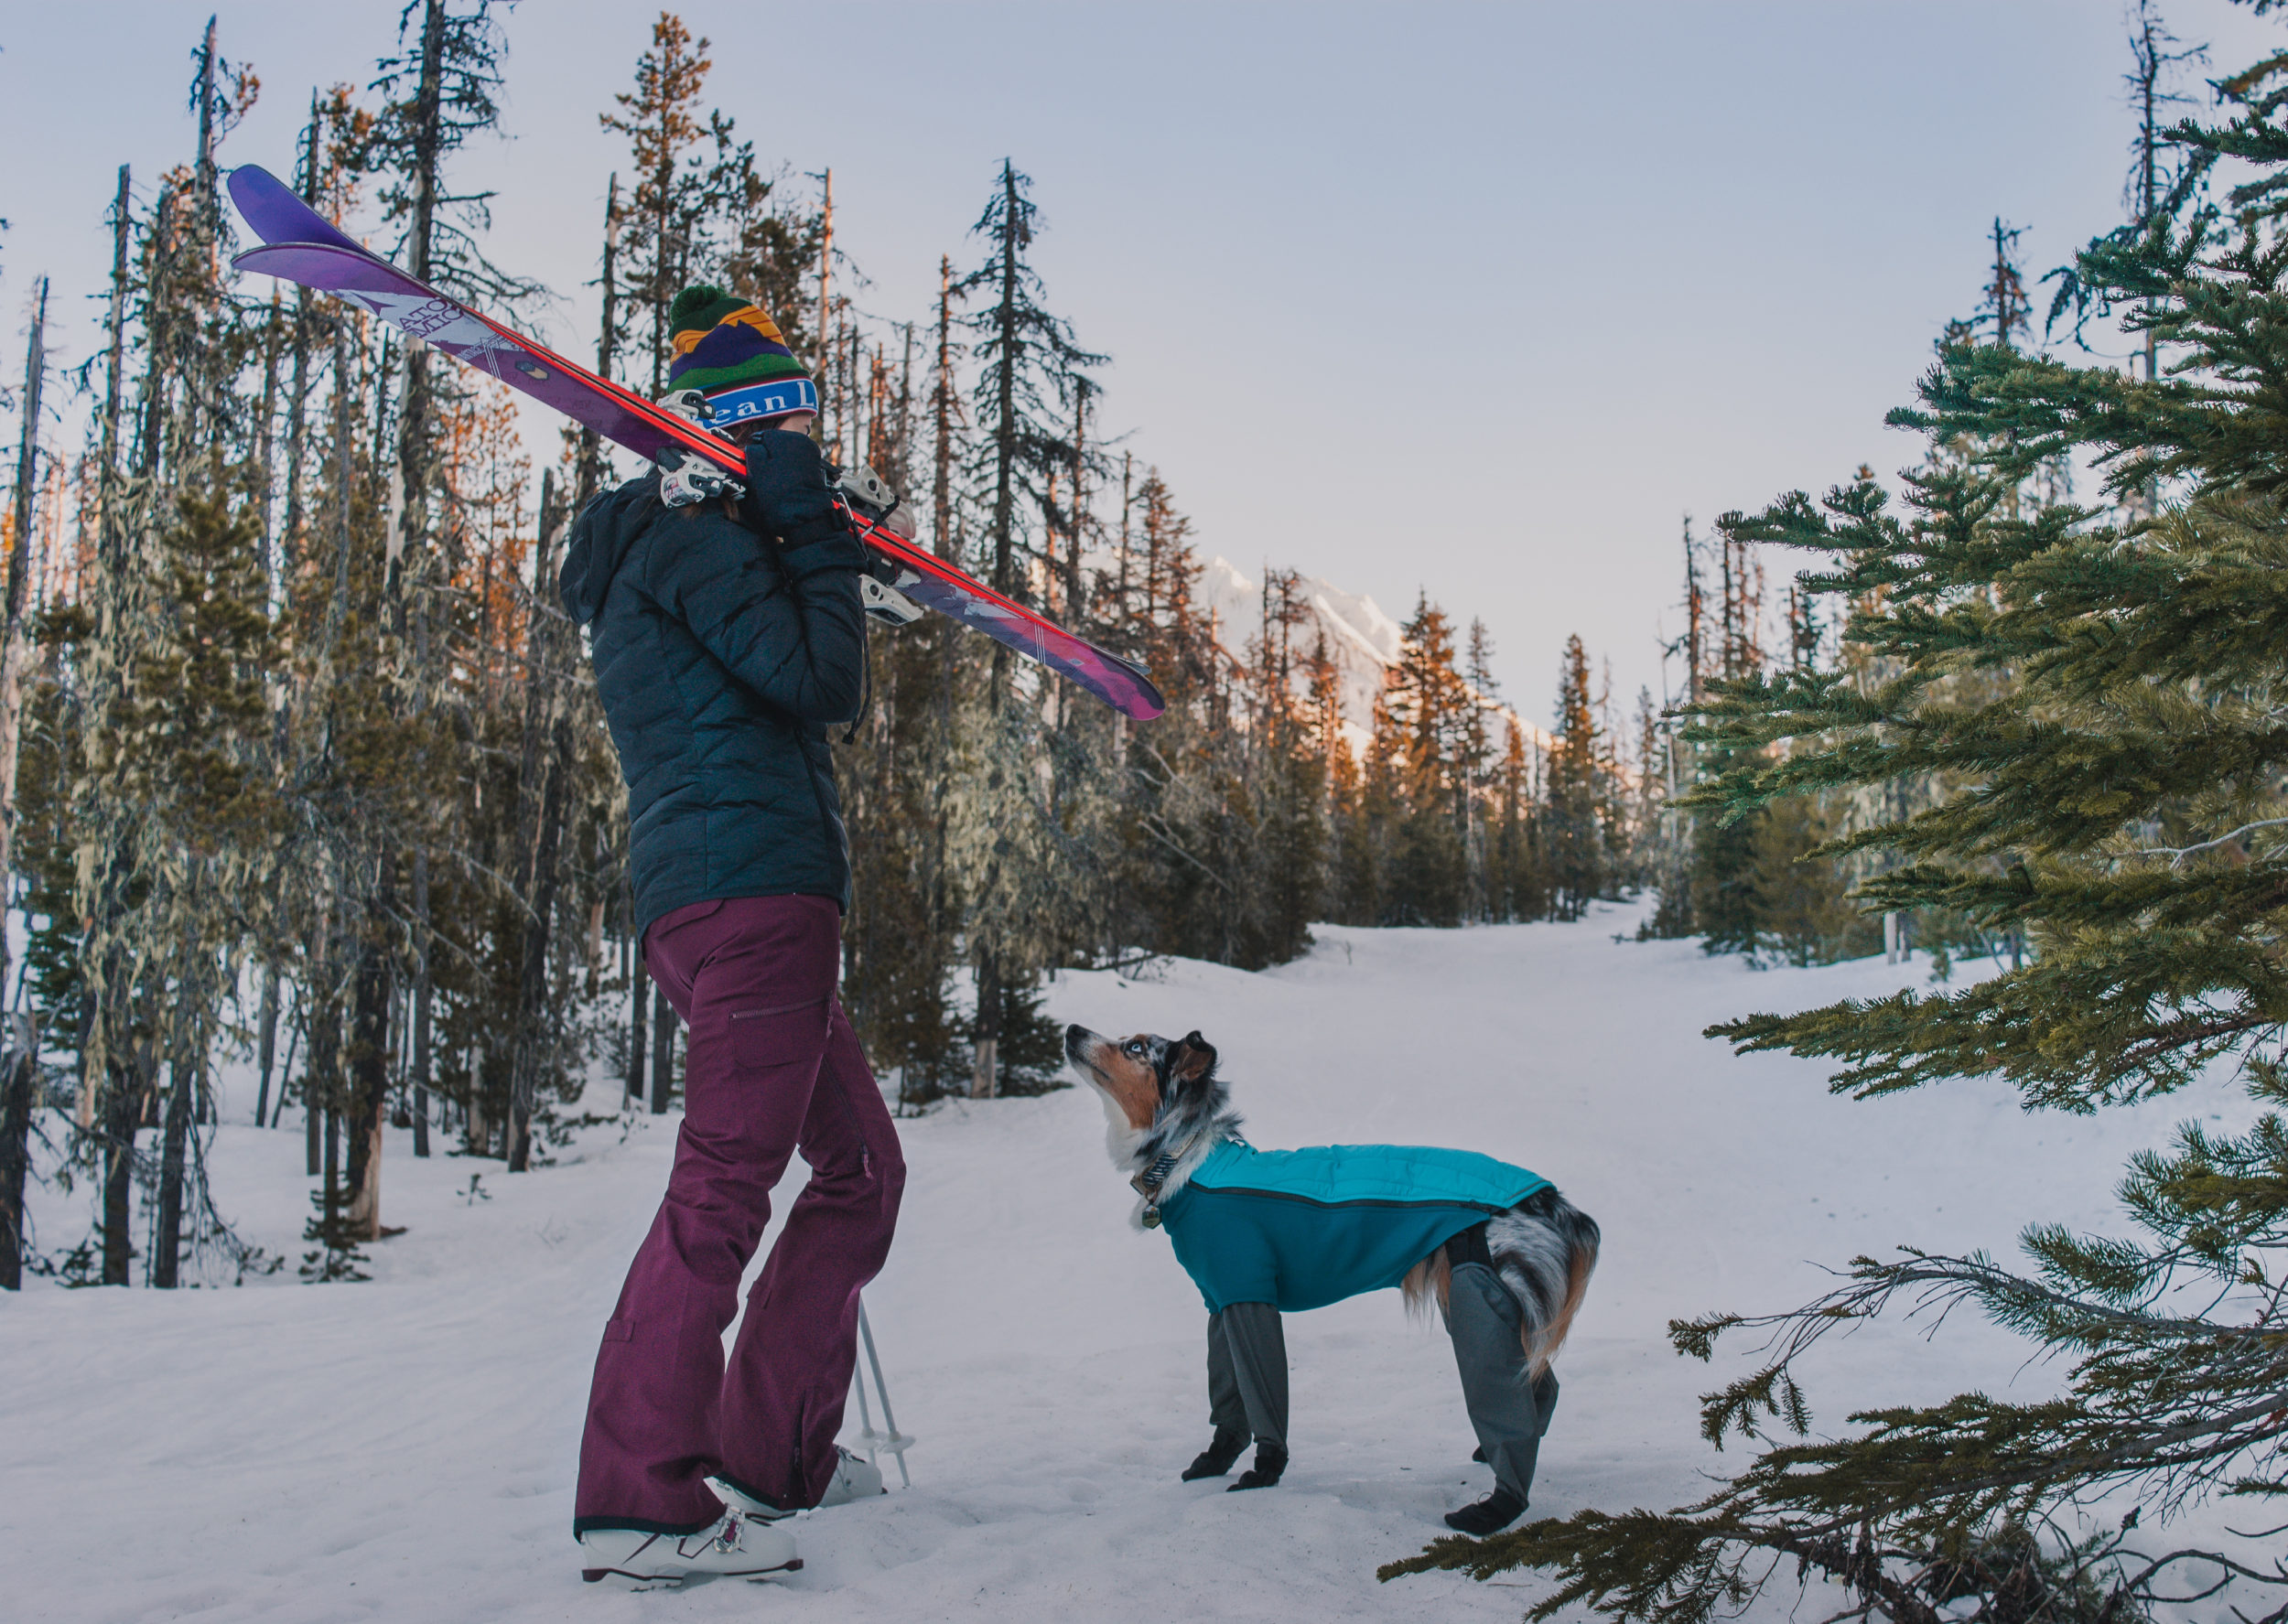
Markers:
{"x": 591, "y": 460}
{"x": 122, "y": 1110}
{"x": 297, "y": 398}
{"x": 663, "y": 1049}
{"x": 369, "y": 1079}
{"x": 167, "y": 1239}
{"x": 639, "y": 1023}
{"x": 541, "y": 822}
{"x": 264, "y": 442}
{"x": 15, "y": 1128}
{"x": 317, "y": 1065}
{"x": 422, "y": 990}
{"x": 824, "y": 340}
{"x": 17, "y": 652}
{"x": 16, "y": 1068}
{"x": 267, "y": 1040}
{"x": 312, "y": 1123}
{"x": 941, "y": 408}
{"x": 1079, "y": 475}
{"x": 1005, "y": 581}
{"x": 413, "y": 431}
{"x": 985, "y": 1080}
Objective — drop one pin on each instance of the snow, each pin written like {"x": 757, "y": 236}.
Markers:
{"x": 404, "y": 1448}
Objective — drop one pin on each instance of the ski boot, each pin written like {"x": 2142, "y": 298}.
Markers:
{"x": 737, "y": 1547}
{"x": 855, "y": 1477}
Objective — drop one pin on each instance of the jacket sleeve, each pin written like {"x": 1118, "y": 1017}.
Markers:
{"x": 786, "y": 619}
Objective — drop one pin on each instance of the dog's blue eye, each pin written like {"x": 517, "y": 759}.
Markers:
{"x": 1135, "y": 1046}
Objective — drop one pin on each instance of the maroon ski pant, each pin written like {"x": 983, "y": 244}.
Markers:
{"x": 774, "y": 1067}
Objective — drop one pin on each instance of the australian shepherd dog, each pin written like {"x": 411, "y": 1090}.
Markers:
{"x": 1167, "y": 1112}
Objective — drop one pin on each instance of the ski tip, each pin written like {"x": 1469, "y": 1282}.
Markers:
{"x": 250, "y": 181}
{"x": 1147, "y": 704}
{"x": 277, "y": 213}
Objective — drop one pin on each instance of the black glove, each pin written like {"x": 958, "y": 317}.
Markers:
{"x": 787, "y": 493}
{"x": 789, "y": 497}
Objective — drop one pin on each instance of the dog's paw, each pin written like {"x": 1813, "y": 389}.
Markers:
{"x": 1215, "y": 1460}
{"x": 1270, "y": 1467}
{"x": 1496, "y": 1511}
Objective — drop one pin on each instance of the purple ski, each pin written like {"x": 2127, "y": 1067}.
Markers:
{"x": 302, "y": 247}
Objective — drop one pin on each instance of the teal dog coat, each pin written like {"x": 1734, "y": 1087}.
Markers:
{"x": 1300, "y": 1228}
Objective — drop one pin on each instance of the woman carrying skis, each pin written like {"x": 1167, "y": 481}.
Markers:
{"x": 727, "y": 634}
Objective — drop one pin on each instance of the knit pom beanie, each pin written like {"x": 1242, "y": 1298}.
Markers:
{"x": 733, "y": 353}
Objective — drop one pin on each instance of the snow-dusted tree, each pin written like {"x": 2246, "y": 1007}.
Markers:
{"x": 1029, "y": 368}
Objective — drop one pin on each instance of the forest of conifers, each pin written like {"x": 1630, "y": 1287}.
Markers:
{"x": 304, "y": 766}
{"x": 307, "y": 802}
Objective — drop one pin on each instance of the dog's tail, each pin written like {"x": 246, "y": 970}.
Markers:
{"x": 1429, "y": 1281}
{"x": 1544, "y": 1250}
{"x": 1582, "y": 1240}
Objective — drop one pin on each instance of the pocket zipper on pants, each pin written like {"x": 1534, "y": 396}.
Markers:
{"x": 799, "y": 1484}
{"x": 750, "y": 1014}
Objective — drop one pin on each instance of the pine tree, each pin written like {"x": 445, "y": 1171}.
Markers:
{"x": 1030, "y": 374}
{"x": 2120, "y": 805}
{"x": 1429, "y": 706}
{"x": 1286, "y": 773}
{"x": 1474, "y": 765}
{"x": 692, "y": 180}
{"x": 1575, "y": 854}
{"x": 1517, "y": 871}
{"x": 898, "y": 944}
{"x": 1029, "y": 368}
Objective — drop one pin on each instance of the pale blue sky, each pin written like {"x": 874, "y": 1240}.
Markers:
{"x": 1472, "y": 298}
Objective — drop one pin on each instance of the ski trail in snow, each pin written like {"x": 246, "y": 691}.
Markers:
{"x": 405, "y": 1449}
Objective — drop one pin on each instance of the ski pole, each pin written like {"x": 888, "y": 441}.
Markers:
{"x": 895, "y": 1442}
{"x": 866, "y": 1434}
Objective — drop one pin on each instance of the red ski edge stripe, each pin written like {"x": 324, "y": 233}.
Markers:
{"x": 727, "y": 457}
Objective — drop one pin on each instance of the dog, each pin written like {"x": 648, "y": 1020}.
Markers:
{"x": 1502, "y": 1254}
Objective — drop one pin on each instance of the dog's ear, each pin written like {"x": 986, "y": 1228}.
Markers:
{"x": 1193, "y": 1059}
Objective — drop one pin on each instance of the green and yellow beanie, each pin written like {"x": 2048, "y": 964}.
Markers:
{"x": 732, "y": 352}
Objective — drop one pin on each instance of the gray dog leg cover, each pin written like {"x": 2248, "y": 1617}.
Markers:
{"x": 1246, "y": 1372}
{"x": 1226, "y": 1411}
{"x": 1509, "y": 1409}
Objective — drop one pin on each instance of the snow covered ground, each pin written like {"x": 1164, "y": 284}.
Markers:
{"x": 404, "y": 1449}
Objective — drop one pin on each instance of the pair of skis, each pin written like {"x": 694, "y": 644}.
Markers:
{"x": 302, "y": 247}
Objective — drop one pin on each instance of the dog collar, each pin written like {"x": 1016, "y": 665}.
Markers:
{"x": 1148, "y": 1185}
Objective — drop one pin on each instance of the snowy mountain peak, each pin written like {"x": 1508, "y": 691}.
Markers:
{"x": 1361, "y": 635}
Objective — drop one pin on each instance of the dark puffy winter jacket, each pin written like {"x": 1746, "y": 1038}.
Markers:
{"x": 722, "y": 654}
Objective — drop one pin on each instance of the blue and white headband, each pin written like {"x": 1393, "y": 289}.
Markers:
{"x": 775, "y": 399}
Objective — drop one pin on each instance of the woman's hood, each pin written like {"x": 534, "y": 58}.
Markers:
{"x": 602, "y": 537}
